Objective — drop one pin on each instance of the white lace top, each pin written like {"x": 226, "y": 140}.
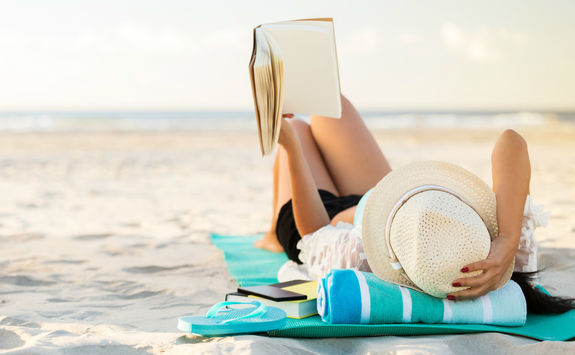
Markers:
{"x": 340, "y": 247}
{"x": 533, "y": 216}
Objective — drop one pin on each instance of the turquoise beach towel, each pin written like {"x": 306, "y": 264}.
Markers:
{"x": 251, "y": 266}
{"x": 354, "y": 297}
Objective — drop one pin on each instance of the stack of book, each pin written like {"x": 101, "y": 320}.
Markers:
{"x": 298, "y": 309}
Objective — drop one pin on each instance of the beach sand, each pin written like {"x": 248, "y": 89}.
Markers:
{"x": 104, "y": 237}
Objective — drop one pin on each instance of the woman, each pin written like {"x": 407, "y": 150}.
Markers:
{"x": 323, "y": 169}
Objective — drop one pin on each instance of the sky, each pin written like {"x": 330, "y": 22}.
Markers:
{"x": 193, "y": 55}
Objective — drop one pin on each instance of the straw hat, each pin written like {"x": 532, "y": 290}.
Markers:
{"x": 424, "y": 222}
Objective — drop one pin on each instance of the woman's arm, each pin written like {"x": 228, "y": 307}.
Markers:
{"x": 511, "y": 172}
{"x": 309, "y": 211}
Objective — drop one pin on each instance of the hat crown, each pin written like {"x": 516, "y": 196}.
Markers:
{"x": 433, "y": 235}
{"x": 411, "y": 181}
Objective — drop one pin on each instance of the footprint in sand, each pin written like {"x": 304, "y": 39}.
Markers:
{"x": 92, "y": 236}
{"x": 9, "y": 340}
{"x": 152, "y": 269}
{"x": 18, "y": 323}
{"x": 66, "y": 261}
{"x": 58, "y": 300}
{"x": 24, "y": 281}
{"x": 143, "y": 294}
{"x": 87, "y": 315}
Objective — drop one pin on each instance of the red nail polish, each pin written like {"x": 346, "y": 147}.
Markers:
{"x": 451, "y": 297}
{"x": 465, "y": 269}
{"x": 456, "y": 284}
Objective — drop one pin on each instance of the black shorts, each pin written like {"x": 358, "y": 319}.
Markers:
{"x": 286, "y": 229}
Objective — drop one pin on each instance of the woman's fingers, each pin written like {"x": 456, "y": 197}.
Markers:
{"x": 479, "y": 285}
{"x": 474, "y": 281}
{"x": 470, "y": 293}
{"x": 480, "y": 265}
{"x": 486, "y": 281}
{"x": 473, "y": 292}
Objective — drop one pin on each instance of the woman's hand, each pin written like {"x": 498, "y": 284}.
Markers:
{"x": 287, "y": 134}
{"x": 494, "y": 268}
{"x": 511, "y": 173}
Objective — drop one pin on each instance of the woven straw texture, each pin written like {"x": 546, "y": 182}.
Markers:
{"x": 438, "y": 262}
{"x": 434, "y": 235}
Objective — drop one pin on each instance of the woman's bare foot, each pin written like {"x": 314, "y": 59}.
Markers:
{"x": 269, "y": 242}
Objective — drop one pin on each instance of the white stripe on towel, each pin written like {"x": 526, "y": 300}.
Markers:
{"x": 447, "y": 313}
{"x": 321, "y": 298}
{"x": 406, "y": 298}
{"x": 365, "y": 298}
{"x": 487, "y": 309}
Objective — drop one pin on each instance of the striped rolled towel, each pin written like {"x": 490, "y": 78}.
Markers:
{"x": 353, "y": 297}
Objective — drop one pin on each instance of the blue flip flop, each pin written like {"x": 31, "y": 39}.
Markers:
{"x": 221, "y": 320}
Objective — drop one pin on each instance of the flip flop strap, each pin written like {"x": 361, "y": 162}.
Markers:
{"x": 259, "y": 309}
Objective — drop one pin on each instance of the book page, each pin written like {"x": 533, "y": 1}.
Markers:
{"x": 307, "y": 288}
{"x": 264, "y": 90}
{"x": 311, "y": 78}
{"x": 277, "y": 68}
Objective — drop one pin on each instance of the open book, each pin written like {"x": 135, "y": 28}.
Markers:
{"x": 293, "y": 69}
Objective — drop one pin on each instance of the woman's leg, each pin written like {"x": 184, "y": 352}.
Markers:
{"x": 282, "y": 181}
{"x": 353, "y": 157}
{"x": 314, "y": 158}
{"x": 270, "y": 240}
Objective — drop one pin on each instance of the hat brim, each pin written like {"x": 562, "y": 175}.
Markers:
{"x": 395, "y": 184}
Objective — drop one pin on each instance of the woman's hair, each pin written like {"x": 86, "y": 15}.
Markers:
{"x": 537, "y": 300}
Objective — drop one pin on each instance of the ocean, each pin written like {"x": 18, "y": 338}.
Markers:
{"x": 87, "y": 121}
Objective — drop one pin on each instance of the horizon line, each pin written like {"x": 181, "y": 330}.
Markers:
{"x": 251, "y": 111}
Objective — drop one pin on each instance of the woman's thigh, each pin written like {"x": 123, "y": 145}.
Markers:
{"x": 314, "y": 159}
{"x": 353, "y": 157}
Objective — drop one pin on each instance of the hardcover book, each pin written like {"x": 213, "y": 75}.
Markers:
{"x": 293, "y": 69}
{"x": 294, "y": 309}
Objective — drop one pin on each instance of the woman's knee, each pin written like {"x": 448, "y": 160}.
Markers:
{"x": 301, "y": 127}
{"x": 512, "y": 140}
{"x": 348, "y": 113}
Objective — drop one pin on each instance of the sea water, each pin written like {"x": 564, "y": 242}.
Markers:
{"x": 71, "y": 121}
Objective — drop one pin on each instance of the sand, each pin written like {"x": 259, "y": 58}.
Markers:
{"x": 104, "y": 237}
